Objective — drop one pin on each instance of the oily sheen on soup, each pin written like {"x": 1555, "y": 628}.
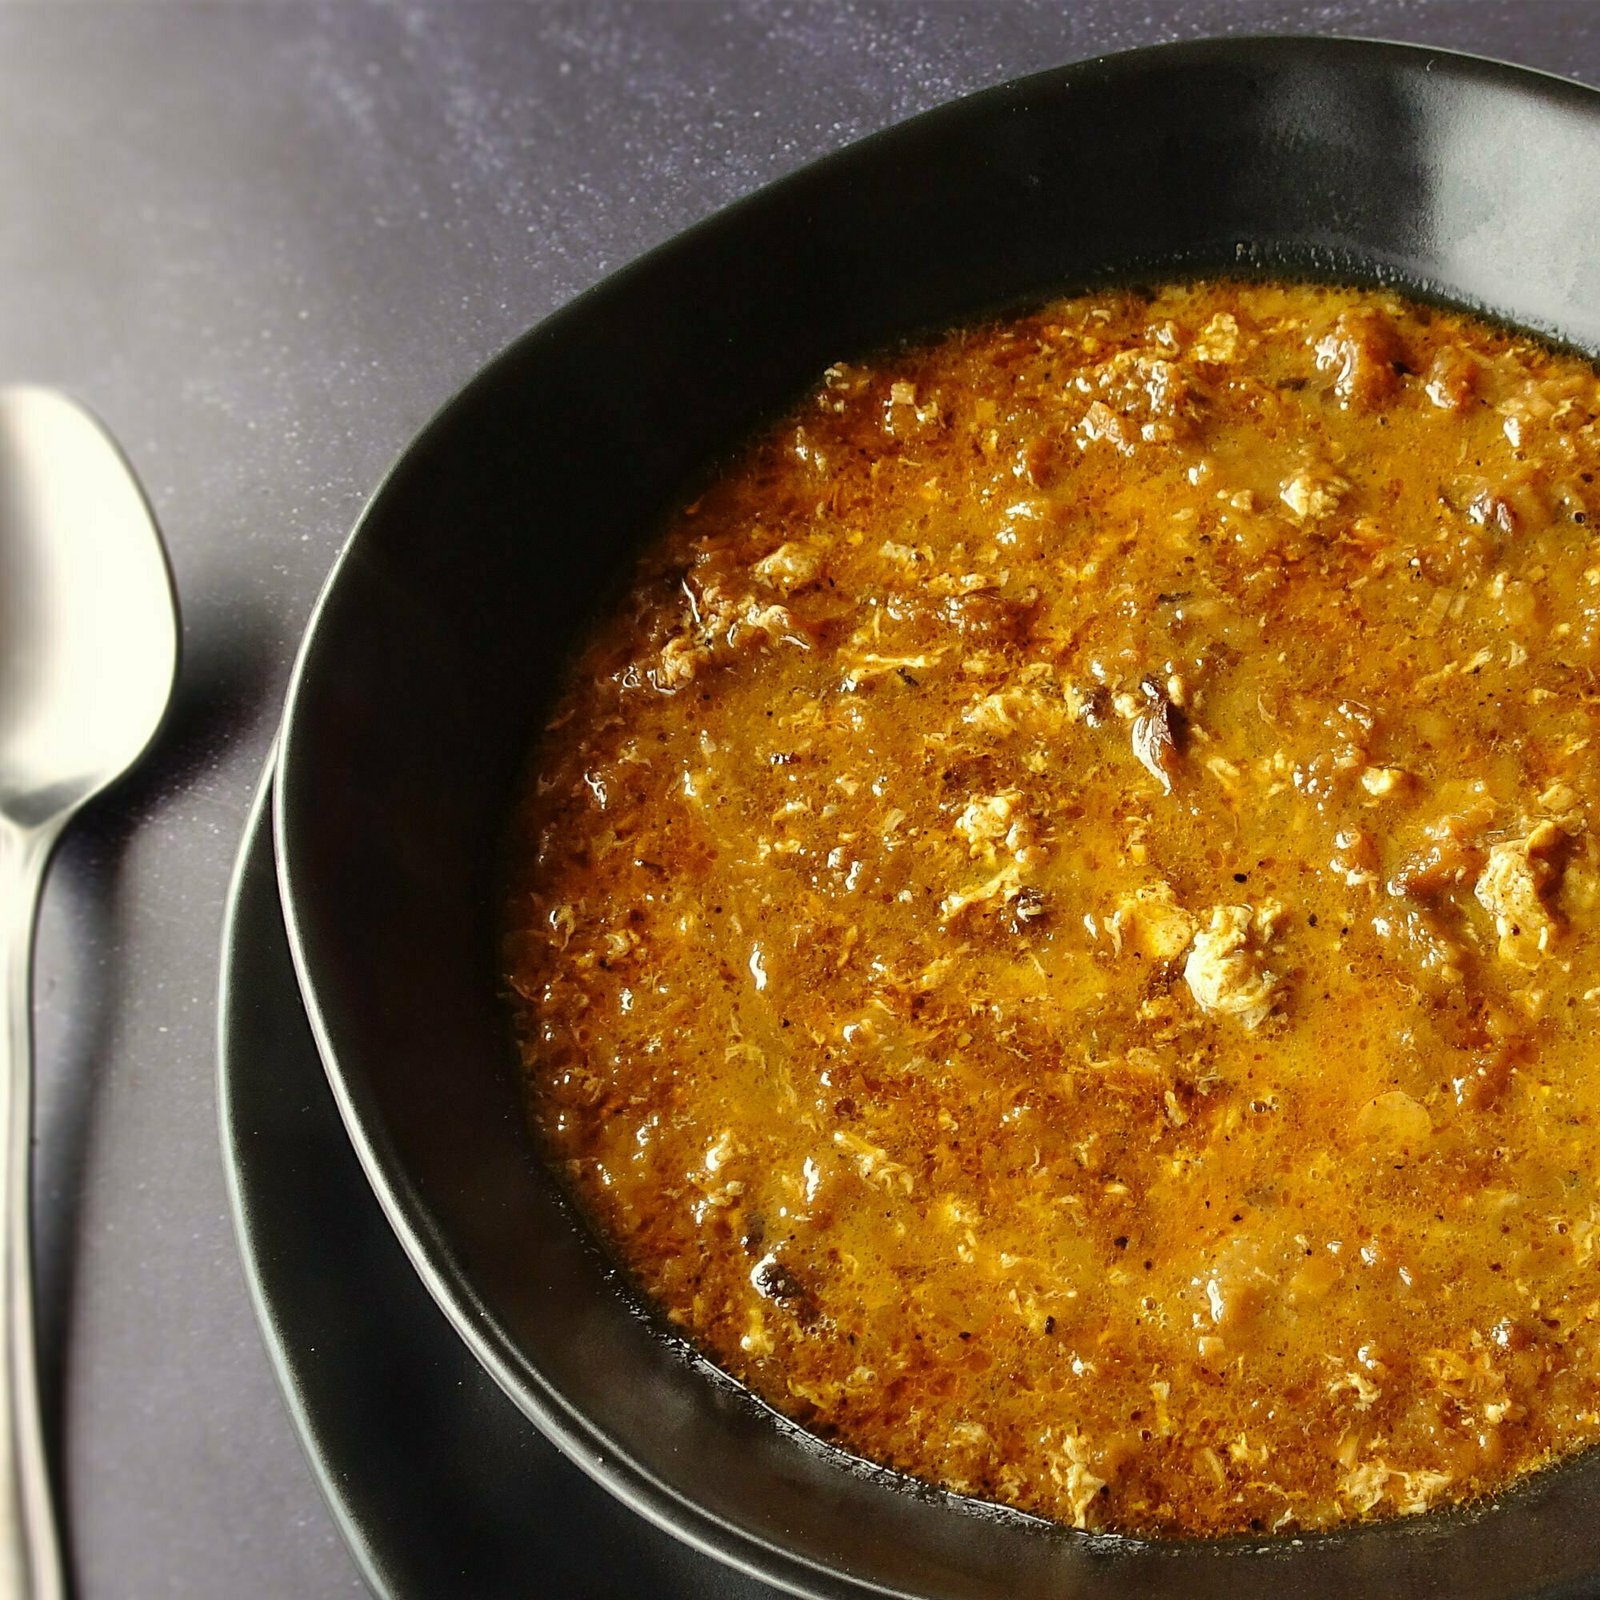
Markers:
{"x": 1055, "y": 931}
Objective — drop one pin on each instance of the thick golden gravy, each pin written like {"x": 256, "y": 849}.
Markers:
{"x": 1057, "y": 936}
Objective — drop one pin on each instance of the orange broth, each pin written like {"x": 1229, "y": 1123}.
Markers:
{"x": 1057, "y": 932}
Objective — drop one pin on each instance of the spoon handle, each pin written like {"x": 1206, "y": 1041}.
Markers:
{"x": 30, "y": 1552}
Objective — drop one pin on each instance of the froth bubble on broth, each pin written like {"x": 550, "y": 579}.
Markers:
{"x": 1056, "y": 928}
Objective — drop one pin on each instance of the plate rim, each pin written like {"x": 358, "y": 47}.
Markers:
{"x": 268, "y": 1324}
{"x": 266, "y": 1320}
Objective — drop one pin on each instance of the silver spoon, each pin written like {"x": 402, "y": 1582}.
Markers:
{"x": 88, "y": 654}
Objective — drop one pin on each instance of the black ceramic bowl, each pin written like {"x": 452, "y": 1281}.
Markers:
{"x": 438, "y": 642}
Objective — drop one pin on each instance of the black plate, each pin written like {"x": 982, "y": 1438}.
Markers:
{"x": 435, "y": 647}
{"x": 440, "y": 1484}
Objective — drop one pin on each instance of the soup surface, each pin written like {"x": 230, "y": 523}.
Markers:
{"x": 1056, "y": 934}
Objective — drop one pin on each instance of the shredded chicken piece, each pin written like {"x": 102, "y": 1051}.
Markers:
{"x": 1514, "y": 889}
{"x": 791, "y": 566}
{"x": 987, "y": 819}
{"x": 1218, "y": 341}
{"x": 1153, "y": 922}
{"x": 1004, "y": 885}
{"x": 1313, "y": 495}
{"x": 1071, "y": 1471}
{"x": 1225, "y": 970}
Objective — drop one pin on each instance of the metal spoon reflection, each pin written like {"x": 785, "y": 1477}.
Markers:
{"x": 88, "y": 654}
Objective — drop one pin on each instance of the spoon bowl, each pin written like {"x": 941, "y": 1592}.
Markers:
{"x": 88, "y": 655}
{"x": 88, "y": 628}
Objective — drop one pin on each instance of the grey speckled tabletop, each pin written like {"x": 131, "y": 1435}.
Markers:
{"x": 265, "y": 241}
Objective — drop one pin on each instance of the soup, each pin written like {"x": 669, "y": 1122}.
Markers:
{"x": 1055, "y": 934}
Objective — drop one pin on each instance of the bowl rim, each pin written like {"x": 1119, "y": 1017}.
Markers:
{"x": 583, "y": 1441}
